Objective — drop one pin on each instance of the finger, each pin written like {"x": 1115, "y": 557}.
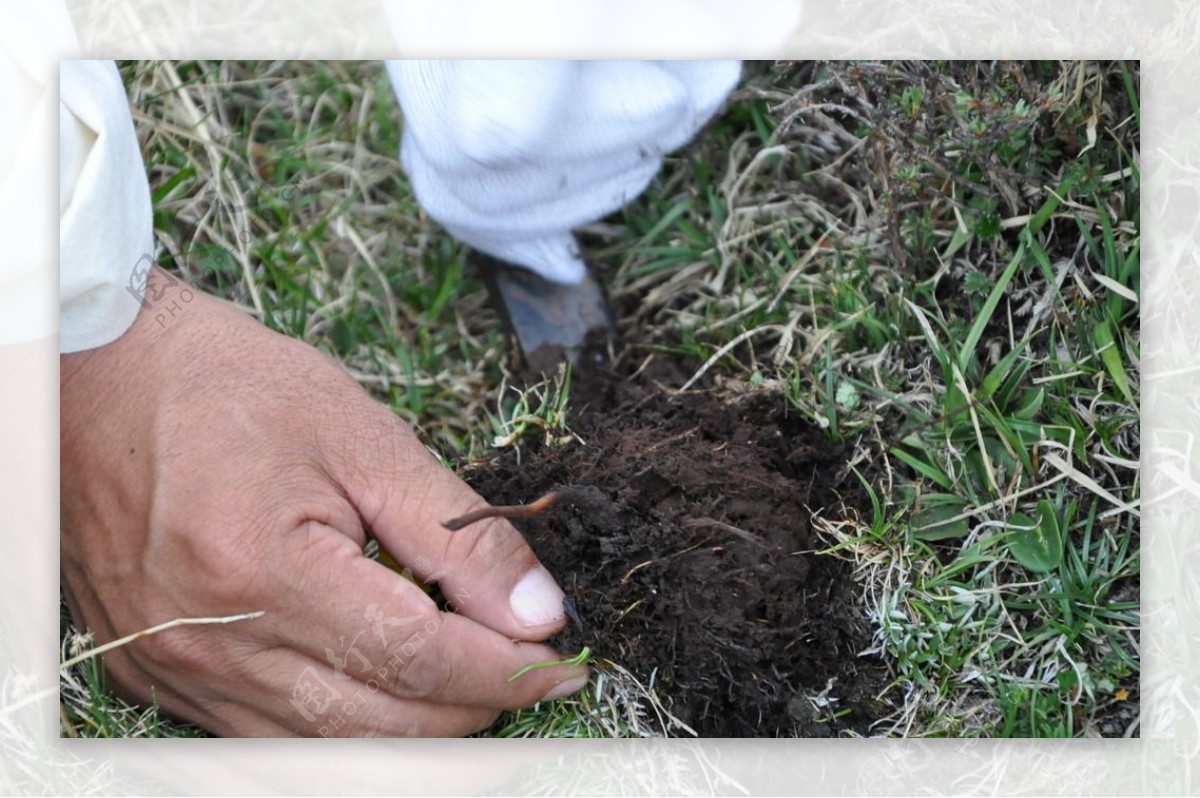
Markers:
{"x": 379, "y": 629}
{"x": 289, "y": 694}
{"x": 487, "y": 570}
{"x": 234, "y": 719}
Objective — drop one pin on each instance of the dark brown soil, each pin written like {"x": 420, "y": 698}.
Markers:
{"x": 692, "y": 556}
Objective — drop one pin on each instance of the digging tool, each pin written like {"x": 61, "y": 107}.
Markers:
{"x": 550, "y": 321}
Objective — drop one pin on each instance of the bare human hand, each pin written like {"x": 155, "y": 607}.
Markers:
{"x": 212, "y": 467}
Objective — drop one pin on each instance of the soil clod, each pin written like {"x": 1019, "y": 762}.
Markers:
{"x": 694, "y": 558}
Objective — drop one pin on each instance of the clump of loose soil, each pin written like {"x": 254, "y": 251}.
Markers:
{"x": 692, "y": 555}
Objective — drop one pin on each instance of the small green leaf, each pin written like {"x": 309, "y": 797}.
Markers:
{"x": 955, "y": 402}
{"x": 1052, "y": 202}
{"x": 1037, "y": 545}
{"x": 1006, "y": 376}
{"x": 925, "y": 469}
{"x": 932, "y": 522}
{"x": 976, "y": 284}
{"x": 1110, "y": 355}
{"x": 989, "y": 307}
{"x": 1030, "y": 404}
{"x": 170, "y": 183}
{"x": 957, "y": 241}
{"x": 987, "y": 225}
{"x": 343, "y": 335}
{"x": 1004, "y": 465}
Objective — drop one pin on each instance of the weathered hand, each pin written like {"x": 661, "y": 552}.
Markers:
{"x": 211, "y": 467}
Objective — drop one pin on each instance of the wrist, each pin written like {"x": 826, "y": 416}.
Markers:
{"x": 106, "y": 374}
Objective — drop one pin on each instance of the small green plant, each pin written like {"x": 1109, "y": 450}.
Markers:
{"x": 582, "y": 658}
{"x": 541, "y": 406}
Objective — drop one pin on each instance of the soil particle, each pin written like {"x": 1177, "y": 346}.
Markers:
{"x": 692, "y": 556}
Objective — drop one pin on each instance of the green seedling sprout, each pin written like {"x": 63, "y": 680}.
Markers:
{"x": 582, "y": 658}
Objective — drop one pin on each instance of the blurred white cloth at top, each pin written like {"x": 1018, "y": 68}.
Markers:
{"x": 510, "y": 156}
{"x": 593, "y": 29}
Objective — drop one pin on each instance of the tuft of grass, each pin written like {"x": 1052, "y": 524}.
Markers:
{"x": 87, "y": 708}
{"x": 539, "y": 406}
{"x": 615, "y": 704}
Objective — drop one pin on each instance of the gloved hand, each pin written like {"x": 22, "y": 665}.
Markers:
{"x": 510, "y": 156}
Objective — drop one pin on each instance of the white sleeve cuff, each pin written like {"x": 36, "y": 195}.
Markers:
{"x": 106, "y": 237}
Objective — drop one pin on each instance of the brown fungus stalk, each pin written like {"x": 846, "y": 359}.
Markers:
{"x": 511, "y": 511}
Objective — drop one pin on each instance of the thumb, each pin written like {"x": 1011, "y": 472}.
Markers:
{"x": 486, "y": 570}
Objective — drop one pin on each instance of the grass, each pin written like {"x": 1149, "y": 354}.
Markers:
{"x": 939, "y": 260}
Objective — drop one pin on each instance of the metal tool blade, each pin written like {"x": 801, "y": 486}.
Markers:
{"x": 551, "y": 322}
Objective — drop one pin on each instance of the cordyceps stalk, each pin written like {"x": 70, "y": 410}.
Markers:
{"x": 562, "y": 495}
{"x": 558, "y": 496}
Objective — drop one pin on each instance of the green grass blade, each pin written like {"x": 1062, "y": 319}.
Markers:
{"x": 1110, "y": 355}
{"x": 926, "y": 470}
{"x": 989, "y": 307}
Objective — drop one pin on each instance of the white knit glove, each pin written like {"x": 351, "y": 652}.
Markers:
{"x": 510, "y": 156}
